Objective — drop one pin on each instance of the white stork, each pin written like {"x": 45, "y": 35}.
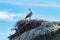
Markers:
{"x": 28, "y": 17}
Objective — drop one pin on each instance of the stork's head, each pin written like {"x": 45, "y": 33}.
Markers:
{"x": 29, "y": 9}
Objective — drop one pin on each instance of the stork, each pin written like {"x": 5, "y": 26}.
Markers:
{"x": 28, "y": 17}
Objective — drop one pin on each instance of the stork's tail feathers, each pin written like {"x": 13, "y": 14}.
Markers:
{"x": 25, "y": 18}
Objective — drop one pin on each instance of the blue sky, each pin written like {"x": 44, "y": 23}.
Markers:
{"x": 13, "y": 10}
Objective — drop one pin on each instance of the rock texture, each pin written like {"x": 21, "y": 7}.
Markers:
{"x": 36, "y": 30}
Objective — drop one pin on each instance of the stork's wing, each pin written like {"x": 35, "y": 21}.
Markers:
{"x": 29, "y": 15}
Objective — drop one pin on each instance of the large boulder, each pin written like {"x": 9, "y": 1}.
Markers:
{"x": 37, "y": 30}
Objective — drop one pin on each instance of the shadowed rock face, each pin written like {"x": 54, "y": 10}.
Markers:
{"x": 37, "y": 30}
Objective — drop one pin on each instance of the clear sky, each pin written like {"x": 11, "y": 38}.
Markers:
{"x": 13, "y": 10}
